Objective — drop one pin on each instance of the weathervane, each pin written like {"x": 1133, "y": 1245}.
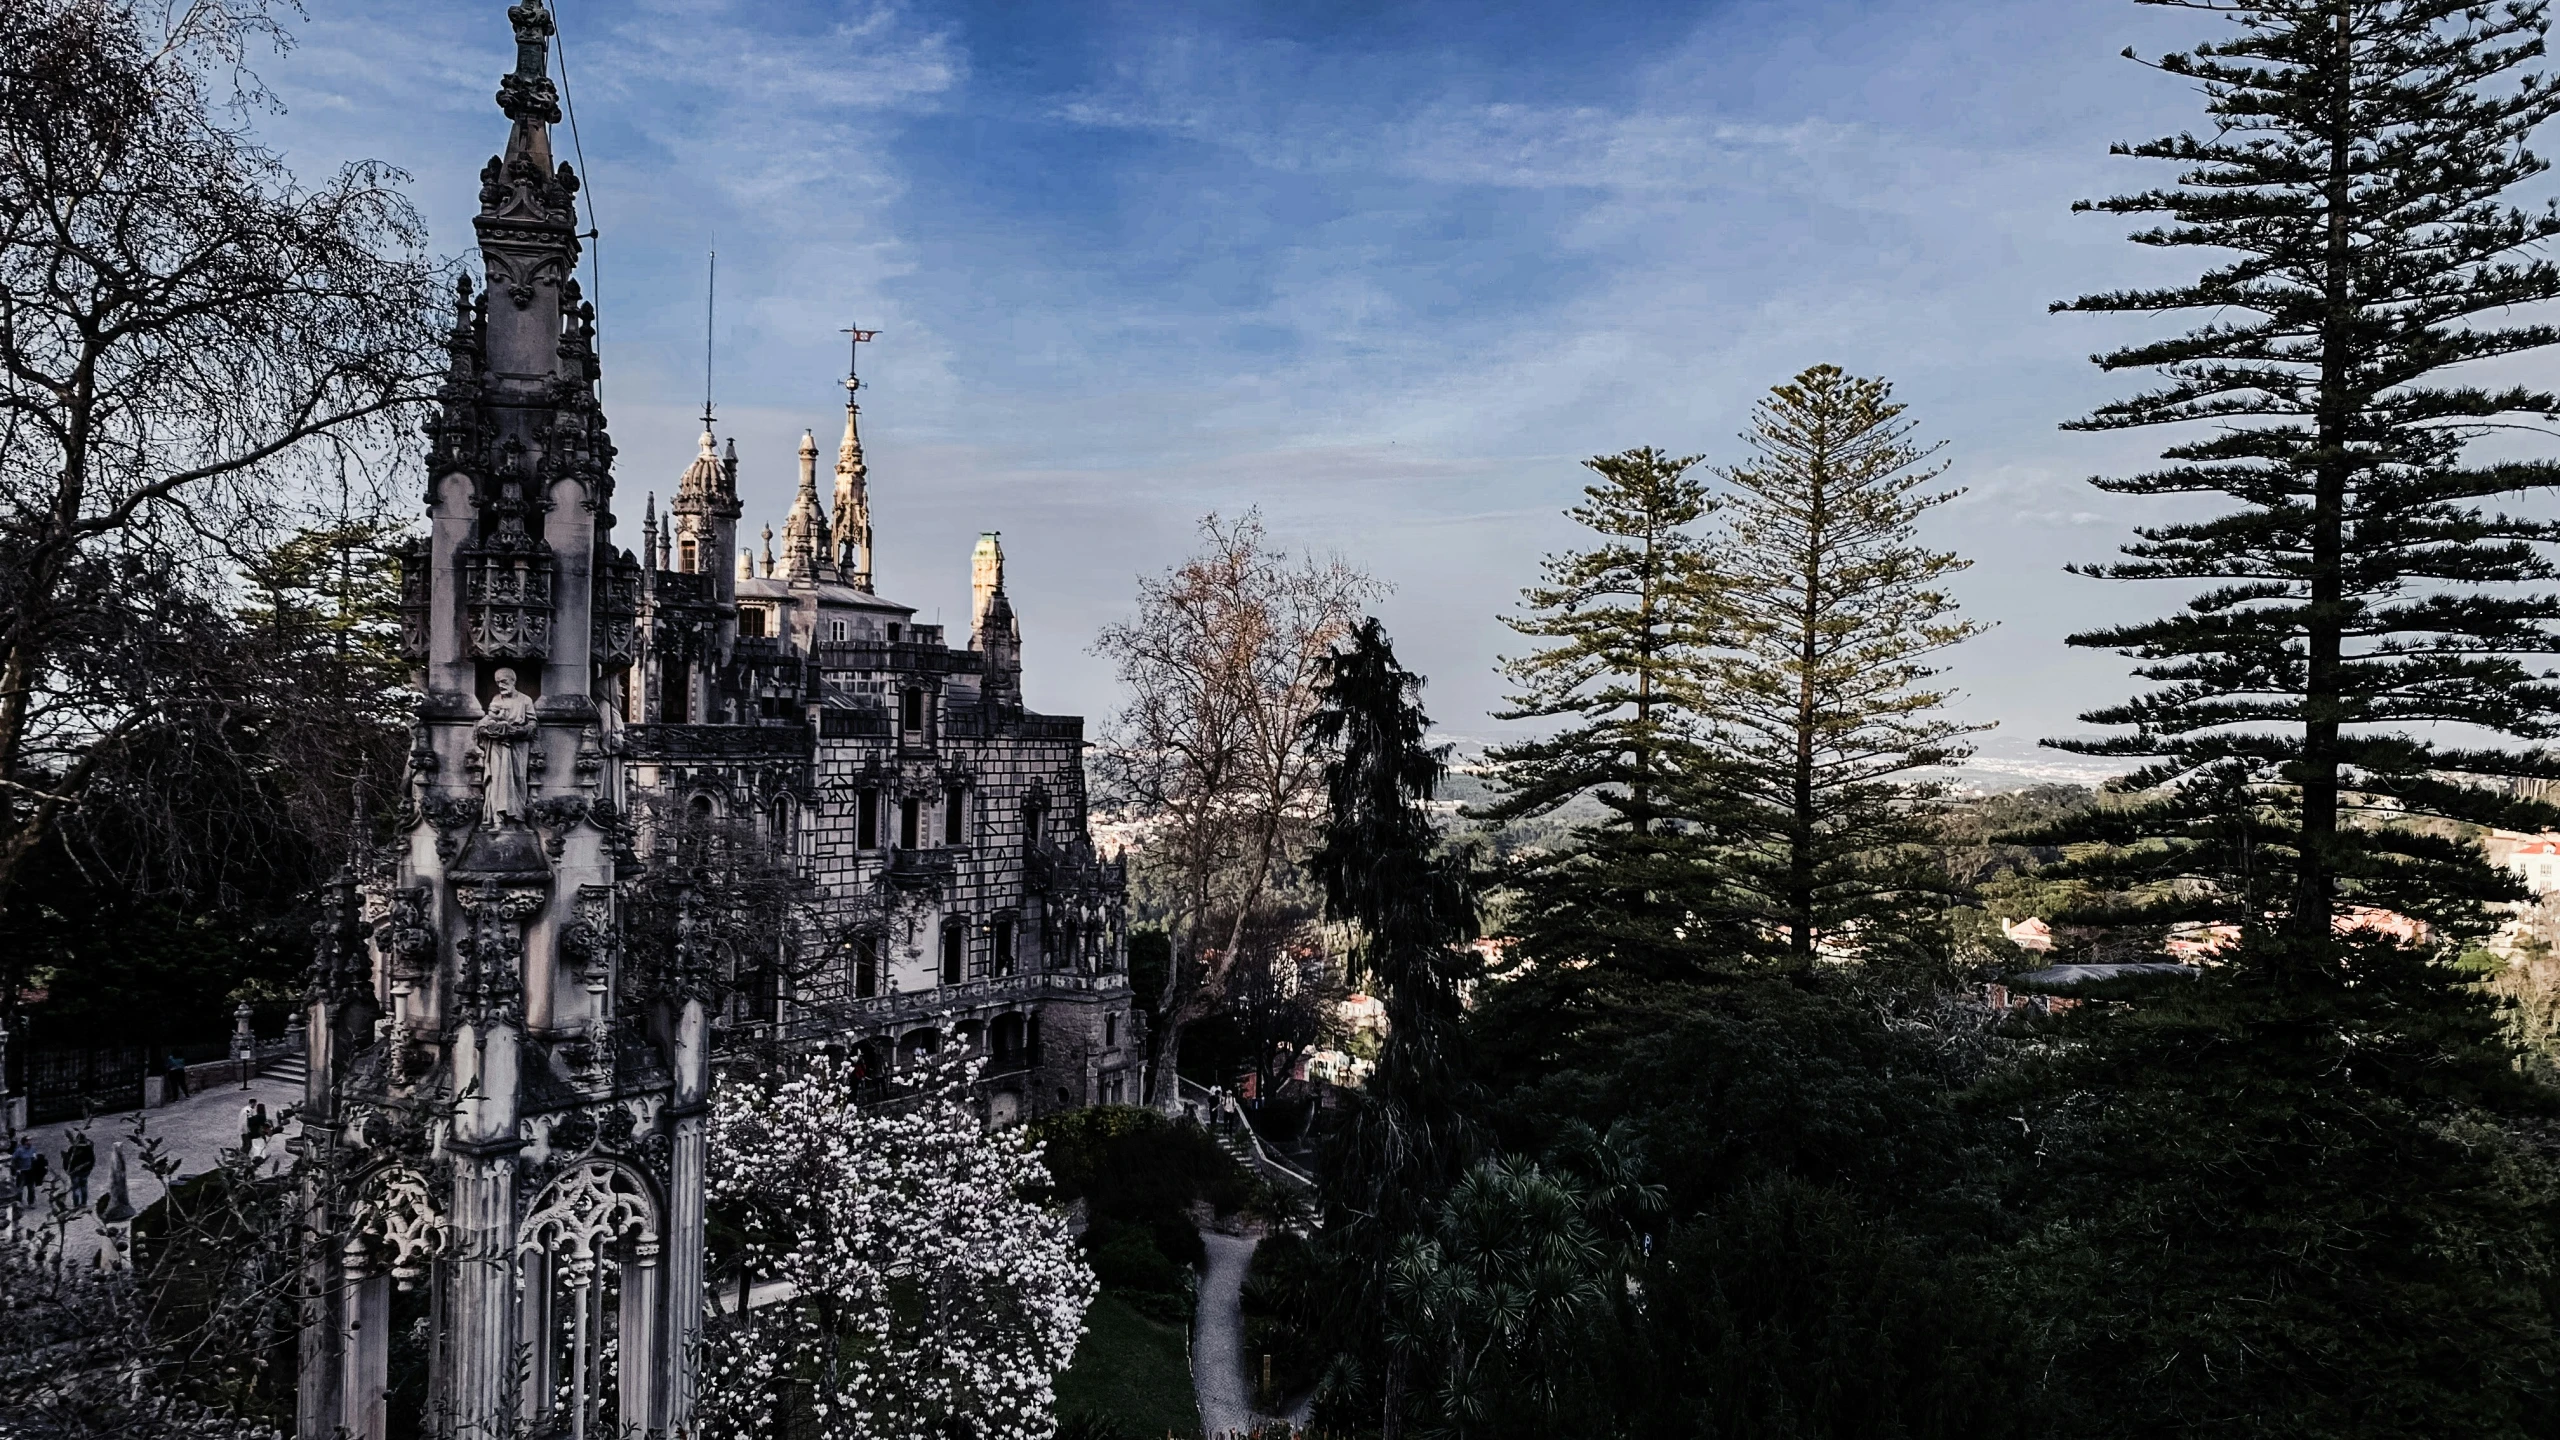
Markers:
{"x": 853, "y": 362}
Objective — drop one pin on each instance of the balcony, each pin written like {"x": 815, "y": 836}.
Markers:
{"x": 921, "y": 869}
{"x": 994, "y": 992}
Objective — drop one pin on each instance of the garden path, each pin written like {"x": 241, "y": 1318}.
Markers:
{"x": 194, "y": 1131}
{"x": 1218, "y": 1370}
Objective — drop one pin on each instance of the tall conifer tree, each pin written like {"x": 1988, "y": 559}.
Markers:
{"x": 2362, "y": 591}
{"x": 1625, "y": 625}
{"x": 1409, "y": 1133}
{"x": 2283, "y": 1196}
{"x": 1821, "y": 695}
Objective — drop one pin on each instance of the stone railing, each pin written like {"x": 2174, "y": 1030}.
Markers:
{"x": 1209, "y": 1107}
{"x": 990, "y": 991}
{"x": 237, "y": 1071}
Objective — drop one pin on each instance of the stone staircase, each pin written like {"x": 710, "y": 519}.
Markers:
{"x": 292, "y": 1066}
{"x": 1240, "y": 1141}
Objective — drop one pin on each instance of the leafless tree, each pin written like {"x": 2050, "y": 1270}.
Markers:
{"x": 1220, "y": 664}
{"x": 186, "y": 331}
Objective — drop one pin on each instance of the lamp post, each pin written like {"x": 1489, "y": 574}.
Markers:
{"x": 244, "y": 1042}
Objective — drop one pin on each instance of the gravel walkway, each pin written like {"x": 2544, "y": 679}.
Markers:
{"x": 1217, "y": 1347}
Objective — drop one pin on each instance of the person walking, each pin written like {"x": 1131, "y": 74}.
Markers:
{"x": 260, "y": 1127}
{"x": 177, "y": 1075}
{"x": 79, "y": 1157}
{"x": 22, "y": 1166}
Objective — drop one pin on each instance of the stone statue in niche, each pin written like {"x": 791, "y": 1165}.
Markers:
{"x": 609, "y": 739}
{"x": 505, "y": 733}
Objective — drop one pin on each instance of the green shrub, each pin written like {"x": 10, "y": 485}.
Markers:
{"x": 1133, "y": 1167}
{"x": 1124, "y": 1257}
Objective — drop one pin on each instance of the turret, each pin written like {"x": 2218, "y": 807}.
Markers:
{"x": 806, "y": 553}
{"x": 852, "y": 534}
{"x": 704, "y": 518}
{"x": 992, "y": 630}
{"x": 986, "y": 580}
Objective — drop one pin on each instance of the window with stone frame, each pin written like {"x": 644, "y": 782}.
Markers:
{"x": 675, "y": 691}
{"x": 955, "y": 951}
{"x": 866, "y": 966}
{"x": 955, "y": 816}
{"x": 911, "y": 710}
{"x": 1000, "y": 957}
{"x": 750, "y": 622}
{"x": 910, "y": 823}
{"x": 866, "y": 820}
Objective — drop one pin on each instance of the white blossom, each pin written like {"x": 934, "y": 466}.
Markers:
{"x": 929, "y": 1295}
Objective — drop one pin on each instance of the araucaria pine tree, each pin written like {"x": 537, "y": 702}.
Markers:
{"x": 1820, "y": 692}
{"x": 2364, "y": 588}
{"x": 1623, "y": 628}
{"x": 2284, "y": 1195}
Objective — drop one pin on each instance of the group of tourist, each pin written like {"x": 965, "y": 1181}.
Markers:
{"x": 30, "y": 1168}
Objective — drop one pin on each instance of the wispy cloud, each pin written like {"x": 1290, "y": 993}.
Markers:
{"x": 1387, "y": 281}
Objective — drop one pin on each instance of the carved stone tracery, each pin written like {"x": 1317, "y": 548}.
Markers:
{"x": 586, "y": 1211}
{"x": 400, "y": 1224}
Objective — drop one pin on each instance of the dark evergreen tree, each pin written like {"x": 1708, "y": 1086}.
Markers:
{"x": 2360, "y": 593}
{"x": 1626, "y": 624}
{"x": 1821, "y": 692}
{"x": 2260, "y": 1208}
{"x": 2287, "y": 1197}
{"x": 1379, "y": 861}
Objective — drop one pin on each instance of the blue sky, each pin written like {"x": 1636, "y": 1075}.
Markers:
{"x": 1385, "y": 271}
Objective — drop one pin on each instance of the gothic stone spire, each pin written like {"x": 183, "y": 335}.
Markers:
{"x": 805, "y": 550}
{"x": 853, "y": 499}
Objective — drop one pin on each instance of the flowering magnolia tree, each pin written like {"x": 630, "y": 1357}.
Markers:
{"x": 923, "y": 1291}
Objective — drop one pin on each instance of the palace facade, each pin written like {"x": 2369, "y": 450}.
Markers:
{"x": 503, "y": 1139}
{"x": 961, "y": 898}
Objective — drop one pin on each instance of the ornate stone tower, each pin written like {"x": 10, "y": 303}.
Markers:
{"x": 705, "y": 515}
{"x": 853, "y": 496}
{"x": 504, "y": 1121}
{"x": 808, "y": 555}
{"x": 993, "y": 631}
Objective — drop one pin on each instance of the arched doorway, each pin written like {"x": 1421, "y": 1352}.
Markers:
{"x": 1010, "y": 1042}
{"x": 916, "y": 1045}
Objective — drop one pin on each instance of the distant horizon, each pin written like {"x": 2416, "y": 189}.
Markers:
{"x": 1387, "y": 274}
